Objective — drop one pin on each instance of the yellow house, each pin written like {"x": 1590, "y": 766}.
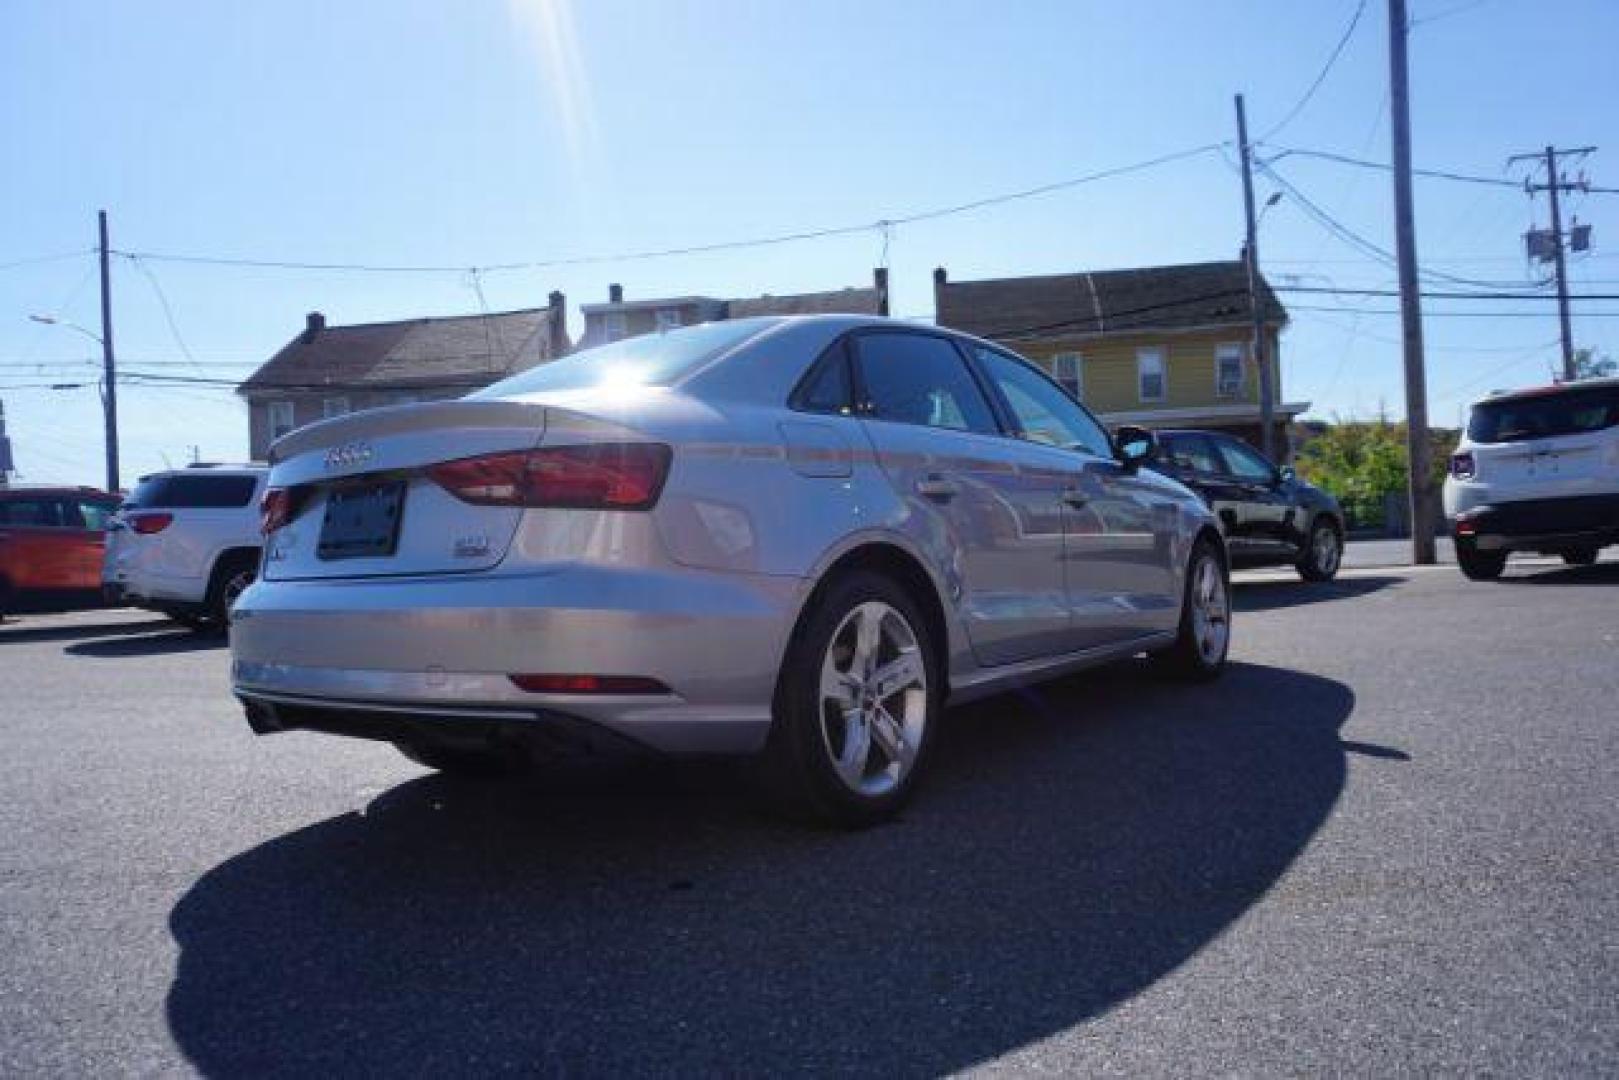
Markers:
{"x": 1158, "y": 346}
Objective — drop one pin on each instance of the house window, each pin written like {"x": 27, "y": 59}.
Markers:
{"x": 1069, "y": 371}
{"x": 1150, "y": 373}
{"x": 333, "y": 406}
{"x": 281, "y": 420}
{"x": 1228, "y": 374}
{"x": 668, "y": 319}
{"x": 616, "y": 326}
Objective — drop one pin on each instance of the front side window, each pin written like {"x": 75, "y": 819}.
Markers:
{"x": 1150, "y": 378}
{"x": 1245, "y": 463}
{"x": 95, "y": 515}
{"x": 1068, "y": 369}
{"x": 281, "y": 420}
{"x": 1193, "y": 453}
{"x": 921, "y": 379}
{"x": 1228, "y": 371}
{"x": 1043, "y": 411}
{"x": 334, "y": 406}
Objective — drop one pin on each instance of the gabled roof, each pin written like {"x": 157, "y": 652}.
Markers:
{"x": 1104, "y": 302}
{"x": 850, "y": 301}
{"x": 460, "y": 350}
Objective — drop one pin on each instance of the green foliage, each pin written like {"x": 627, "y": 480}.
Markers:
{"x": 1363, "y": 463}
{"x": 1588, "y": 365}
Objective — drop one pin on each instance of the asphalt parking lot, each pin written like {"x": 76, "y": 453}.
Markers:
{"x": 1383, "y": 843}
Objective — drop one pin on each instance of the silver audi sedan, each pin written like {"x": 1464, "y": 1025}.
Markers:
{"x": 788, "y": 539}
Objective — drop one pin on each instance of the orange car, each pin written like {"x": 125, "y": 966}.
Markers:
{"x": 51, "y": 543}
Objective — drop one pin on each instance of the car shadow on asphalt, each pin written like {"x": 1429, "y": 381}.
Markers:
{"x": 169, "y": 639}
{"x": 1604, "y": 573}
{"x": 1268, "y": 594}
{"x": 20, "y": 630}
{"x": 1075, "y": 843}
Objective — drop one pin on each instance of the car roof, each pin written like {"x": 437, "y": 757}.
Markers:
{"x": 1551, "y": 389}
{"x": 210, "y": 468}
{"x": 54, "y": 489}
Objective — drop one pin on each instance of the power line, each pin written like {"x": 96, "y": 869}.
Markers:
{"x": 1434, "y": 174}
{"x": 878, "y": 226}
{"x": 36, "y": 259}
{"x": 1451, "y": 314}
{"x": 1332, "y": 58}
{"x": 1438, "y": 294}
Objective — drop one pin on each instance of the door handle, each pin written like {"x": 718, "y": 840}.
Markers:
{"x": 937, "y": 487}
{"x": 1075, "y": 498}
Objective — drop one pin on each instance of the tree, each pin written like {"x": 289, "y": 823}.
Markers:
{"x": 1588, "y": 365}
{"x": 1363, "y": 463}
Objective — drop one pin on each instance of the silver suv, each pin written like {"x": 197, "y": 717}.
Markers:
{"x": 792, "y": 539}
{"x": 1536, "y": 470}
{"x": 186, "y": 543}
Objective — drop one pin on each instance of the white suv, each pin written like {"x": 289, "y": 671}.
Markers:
{"x": 186, "y": 543}
{"x": 1536, "y": 470}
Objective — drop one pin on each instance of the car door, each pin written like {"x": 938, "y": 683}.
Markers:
{"x": 1260, "y": 518}
{"x": 1118, "y": 526}
{"x": 995, "y": 530}
{"x": 41, "y": 535}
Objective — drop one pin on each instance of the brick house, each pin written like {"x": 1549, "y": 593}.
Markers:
{"x": 331, "y": 370}
{"x": 1158, "y": 346}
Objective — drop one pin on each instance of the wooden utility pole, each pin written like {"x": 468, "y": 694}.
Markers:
{"x": 109, "y": 367}
{"x": 1267, "y": 391}
{"x": 1555, "y": 185}
{"x": 1418, "y": 450}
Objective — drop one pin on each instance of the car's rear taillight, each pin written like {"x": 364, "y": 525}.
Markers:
{"x": 1462, "y": 466}
{"x": 594, "y": 476}
{"x": 147, "y": 524}
{"x": 275, "y": 509}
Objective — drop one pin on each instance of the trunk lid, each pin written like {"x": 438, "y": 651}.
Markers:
{"x": 357, "y": 478}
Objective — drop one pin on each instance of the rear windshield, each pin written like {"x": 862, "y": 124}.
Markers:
{"x": 649, "y": 360}
{"x": 1561, "y": 412}
{"x": 192, "y": 492}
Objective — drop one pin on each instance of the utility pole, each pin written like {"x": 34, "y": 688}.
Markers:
{"x": 1553, "y": 186}
{"x": 1418, "y": 451}
{"x": 1267, "y": 392}
{"x": 109, "y": 367}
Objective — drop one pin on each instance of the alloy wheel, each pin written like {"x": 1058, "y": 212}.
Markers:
{"x": 1327, "y": 550}
{"x": 1211, "y": 610}
{"x": 873, "y": 699}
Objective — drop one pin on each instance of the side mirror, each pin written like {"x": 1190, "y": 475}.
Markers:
{"x": 1135, "y": 445}
{"x": 1287, "y": 474}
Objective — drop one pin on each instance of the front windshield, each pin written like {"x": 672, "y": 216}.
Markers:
{"x": 649, "y": 360}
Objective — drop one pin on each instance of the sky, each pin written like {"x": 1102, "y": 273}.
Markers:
{"x": 477, "y": 133}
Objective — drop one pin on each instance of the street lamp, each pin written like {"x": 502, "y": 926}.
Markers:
{"x": 109, "y": 391}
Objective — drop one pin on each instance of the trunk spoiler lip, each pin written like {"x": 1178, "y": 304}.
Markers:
{"x": 407, "y": 419}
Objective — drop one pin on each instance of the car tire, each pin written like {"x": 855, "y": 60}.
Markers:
{"x": 469, "y": 762}
{"x": 1323, "y": 552}
{"x": 1203, "y": 639}
{"x": 1479, "y": 565}
{"x": 848, "y": 741}
{"x": 231, "y": 576}
{"x": 1585, "y": 556}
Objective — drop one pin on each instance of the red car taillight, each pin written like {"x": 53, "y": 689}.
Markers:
{"x": 1462, "y": 466}
{"x": 595, "y": 476}
{"x": 275, "y": 510}
{"x": 147, "y": 524}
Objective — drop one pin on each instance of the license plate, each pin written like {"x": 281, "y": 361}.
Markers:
{"x": 362, "y": 521}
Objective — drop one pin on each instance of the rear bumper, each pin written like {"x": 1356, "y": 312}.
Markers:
{"x": 437, "y": 654}
{"x": 1541, "y": 524}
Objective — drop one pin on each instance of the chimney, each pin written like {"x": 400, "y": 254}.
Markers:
{"x": 615, "y": 293}
{"x": 557, "y": 304}
{"x": 939, "y": 276}
{"x": 314, "y": 323}
{"x": 879, "y": 278}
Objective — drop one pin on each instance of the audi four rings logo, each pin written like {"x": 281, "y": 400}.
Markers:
{"x": 347, "y": 455}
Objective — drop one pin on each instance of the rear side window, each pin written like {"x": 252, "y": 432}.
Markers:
{"x": 921, "y": 379}
{"x": 188, "y": 491}
{"x": 43, "y": 512}
{"x": 1563, "y": 412}
{"x": 827, "y": 390}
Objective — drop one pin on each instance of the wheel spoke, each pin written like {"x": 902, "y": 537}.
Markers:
{"x": 899, "y": 673}
{"x": 868, "y": 637}
{"x": 885, "y": 732}
{"x": 840, "y": 687}
{"x": 851, "y": 762}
